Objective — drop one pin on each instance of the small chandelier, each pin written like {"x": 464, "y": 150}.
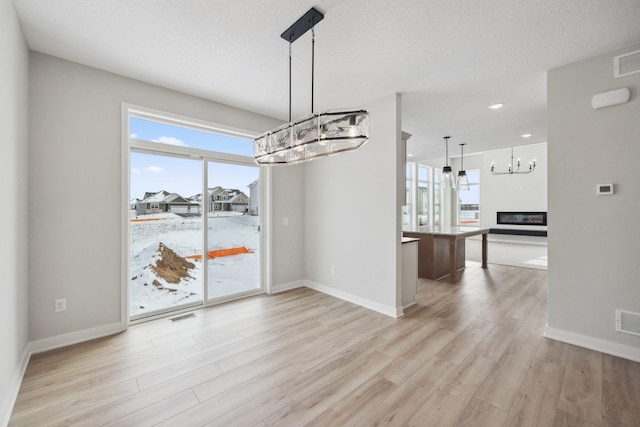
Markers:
{"x": 513, "y": 171}
{"x": 463, "y": 182}
{"x": 447, "y": 172}
{"x": 315, "y": 135}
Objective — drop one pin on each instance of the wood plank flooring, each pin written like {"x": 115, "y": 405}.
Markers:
{"x": 470, "y": 354}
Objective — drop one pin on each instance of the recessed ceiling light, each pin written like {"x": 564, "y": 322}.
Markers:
{"x": 409, "y": 155}
{"x": 496, "y": 106}
{"x": 525, "y": 135}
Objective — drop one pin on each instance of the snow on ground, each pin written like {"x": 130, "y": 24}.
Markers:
{"x": 227, "y": 275}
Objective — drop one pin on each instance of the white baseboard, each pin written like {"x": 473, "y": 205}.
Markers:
{"x": 286, "y": 286}
{"x": 12, "y": 394}
{"x": 364, "y": 302}
{"x": 603, "y": 346}
{"x": 74, "y": 337}
{"x": 409, "y": 305}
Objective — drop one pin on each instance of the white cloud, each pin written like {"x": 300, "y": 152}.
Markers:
{"x": 135, "y": 171}
{"x": 171, "y": 141}
{"x": 133, "y": 135}
{"x": 154, "y": 169}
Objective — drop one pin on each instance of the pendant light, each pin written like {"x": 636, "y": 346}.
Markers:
{"x": 462, "y": 182}
{"x": 447, "y": 173}
{"x": 315, "y": 135}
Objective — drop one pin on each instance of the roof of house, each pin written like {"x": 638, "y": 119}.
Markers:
{"x": 165, "y": 197}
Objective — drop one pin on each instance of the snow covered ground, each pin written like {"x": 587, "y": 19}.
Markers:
{"x": 227, "y": 275}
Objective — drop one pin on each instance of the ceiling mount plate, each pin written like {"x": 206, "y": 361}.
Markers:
{"x": 302, "y": 25}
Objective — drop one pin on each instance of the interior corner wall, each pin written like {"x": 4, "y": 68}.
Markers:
{"x": 14, "y": 71}
{"x": 74, "y": 187}
{"x": 594, "y": 241}
{"x": 288, "y": 240}
{"x": 352, "y": 215}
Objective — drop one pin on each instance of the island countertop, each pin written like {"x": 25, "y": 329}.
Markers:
{"x": 444, "y": 246}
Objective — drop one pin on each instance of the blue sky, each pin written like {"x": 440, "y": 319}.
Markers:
{"x": 472, "y": 196}
{"x": 152, "y": 173}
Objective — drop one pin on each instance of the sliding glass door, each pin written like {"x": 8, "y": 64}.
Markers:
{"x": 194, "y": 215}
{"x": 233, "y": 230}
{"x": 165, "y": 234}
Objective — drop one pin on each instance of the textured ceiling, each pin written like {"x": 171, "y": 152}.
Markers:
{"x": 449, "y": 59}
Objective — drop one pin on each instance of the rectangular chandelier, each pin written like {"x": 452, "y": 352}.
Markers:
{"x": 315, "y": 135}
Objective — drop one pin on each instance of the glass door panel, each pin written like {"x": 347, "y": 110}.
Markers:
{"x": 437, "y": 197}
{"x": 165, "y": 234}
{"x": 469, "y": 201}
{"x": 233, "y": 230}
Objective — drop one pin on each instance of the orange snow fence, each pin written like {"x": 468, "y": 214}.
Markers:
{"x": 147, "y": 219}
{"x": 223, "y": 252}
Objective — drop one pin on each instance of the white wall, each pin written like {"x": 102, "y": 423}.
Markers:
{"x": 516, "y": 193}
{"x": 594, "y": 241}
{"x": 288, "y": 241}
{"x": 74, "y": 189}
{"x": 352, "y": 215}
{"x": 14, "y": 71}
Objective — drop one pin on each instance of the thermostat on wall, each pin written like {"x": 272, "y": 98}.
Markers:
{"x": 604, "y": 189}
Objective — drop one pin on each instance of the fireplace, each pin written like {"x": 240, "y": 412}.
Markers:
{"x": 522, "y": 218}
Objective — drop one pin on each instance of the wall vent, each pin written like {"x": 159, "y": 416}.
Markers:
{"x": 626, "y": 64}
{"x": 628, "y": 322}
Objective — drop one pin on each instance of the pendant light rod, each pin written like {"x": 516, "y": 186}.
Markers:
{"x": 446, "y": 158}
{"x": 290, "y": 81}
{"x": 313, "y": 60}
{"x": 462, "y": 156}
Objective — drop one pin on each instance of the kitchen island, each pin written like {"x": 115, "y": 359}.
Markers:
{"x": 441, "y": 250}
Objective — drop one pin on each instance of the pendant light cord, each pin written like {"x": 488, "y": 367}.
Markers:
{"x": 446, "y": 159}
{"x": 289, "y": 82}
{"x": 313, "y": 59}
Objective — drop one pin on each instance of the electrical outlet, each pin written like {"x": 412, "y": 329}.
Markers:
{"x": 333, "y": 269}
{"x": 61, "y": 305}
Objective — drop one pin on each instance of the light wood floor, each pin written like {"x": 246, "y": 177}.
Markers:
{"x": 467, "y": 354}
